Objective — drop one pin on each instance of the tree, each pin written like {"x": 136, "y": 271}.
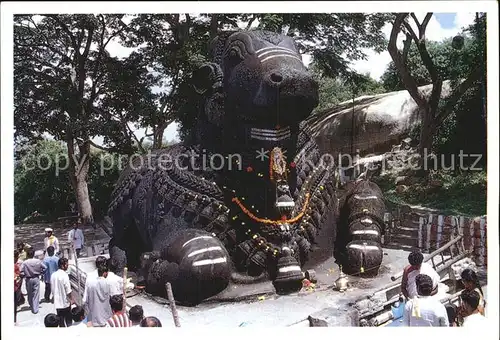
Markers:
{"x": 431, "y": 113}
{"x": 38, "y": 185}
{"x": 67, "y": 85}
{"x": 171, "y": 46}
{"x": 465, "y": 128}
{"x": 333, "y": 91}
{"x": 41, "y": 176}
{"x": 442, "y": 54}
{"x": 130, "y": 98}
{"x": 60, "y": 73}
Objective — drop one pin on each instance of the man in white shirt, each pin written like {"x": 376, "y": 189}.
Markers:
{"x": 97, "y": 297}
{"x": 416, "y": 267}
{"x": 50, "y": 240}
{"x": 469, "y": 306}
{"x": 115, "y": 281}
{"x": 61, "y": 289}
{"x": 76, "y": 238}
{"x": 425, "y": 310}
{"x": 100, "y": 261}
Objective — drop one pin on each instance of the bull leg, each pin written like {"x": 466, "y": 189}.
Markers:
{"x": 361, "y": 244}
{"x": 118, "y": 254}
{"x": 195, "y": 263}
{"x": 364, "y": 251}
{"x": 118, "y": 246}
{"x": 125, "y": 248}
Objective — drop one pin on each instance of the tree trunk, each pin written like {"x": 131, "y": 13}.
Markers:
{"x": 425, "y": 145}
{"x": 429, "y": 128}
{"x": 158, "y": 138}
{"x": 79, "y": 168}
{"x": 214, "y": 25}
{"x": 83, "y": 199}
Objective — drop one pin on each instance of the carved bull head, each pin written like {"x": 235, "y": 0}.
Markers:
{"x": 256, "y": 77}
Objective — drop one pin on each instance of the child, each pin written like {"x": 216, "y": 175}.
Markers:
{"x": 51, "y": 320}
{"x": 79, "y": 318}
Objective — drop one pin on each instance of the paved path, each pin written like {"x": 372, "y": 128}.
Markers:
{"x": 33, "y": 234}
{"x": 260, "y": 307}
{"x": 25, "y": 318}
{"x": 263, "y": 308}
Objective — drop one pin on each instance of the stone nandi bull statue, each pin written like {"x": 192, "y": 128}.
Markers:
{"x": 257, "y": 218}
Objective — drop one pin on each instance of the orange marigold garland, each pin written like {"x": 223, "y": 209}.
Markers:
{"x": 275, "y": 222}
{"x": 277, "y": 171}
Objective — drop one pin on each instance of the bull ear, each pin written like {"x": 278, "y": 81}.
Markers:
{"x": 207, "y": 77}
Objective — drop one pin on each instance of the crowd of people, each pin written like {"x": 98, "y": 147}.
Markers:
{"x": 103, "y": 302}
{"x": 103, "y": 298}
{"x": 420, "y": 285}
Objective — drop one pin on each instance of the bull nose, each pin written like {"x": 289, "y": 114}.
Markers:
{"x": 295, "y": 90}
{"x": 276, "y": 78}
{"x": 291, "y": 83}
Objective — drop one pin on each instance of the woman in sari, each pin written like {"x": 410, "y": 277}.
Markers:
{"x": 471, "y": 283}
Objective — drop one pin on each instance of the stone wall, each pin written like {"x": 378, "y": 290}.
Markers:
{"x": 411, "y": 228}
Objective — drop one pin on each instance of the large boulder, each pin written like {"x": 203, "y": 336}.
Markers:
{"x": 379, "y": 122}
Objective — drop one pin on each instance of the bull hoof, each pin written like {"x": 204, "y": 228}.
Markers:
{"x": 363, "y": 258}
{"x": 285, "y": 287}
{"x": 289, "y": 275}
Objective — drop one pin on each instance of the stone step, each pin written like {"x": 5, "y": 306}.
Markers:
{"x": 393, "y": 245}
{"x": 408, "y": 228}
{"x": 404, "y": 240}
{"x": 402, "y": 231}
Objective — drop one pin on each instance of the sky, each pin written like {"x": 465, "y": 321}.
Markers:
{"x": 441, "y": 26}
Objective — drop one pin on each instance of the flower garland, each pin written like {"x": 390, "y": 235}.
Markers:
{"x": 274, "y": 222}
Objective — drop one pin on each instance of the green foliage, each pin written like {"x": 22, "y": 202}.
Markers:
{"x": 66, "y": 83}
{"x": 41, "y": 180}
{"x": 36, "y": 184}
{"x": 443, "y": 55}
{"x": 451, "y": 63}
{"x": 333, "y": 91}
{"x": 462, "y": 194}
{"x": 61, "y": 69}
{"x": 171, "y": 46}
{"x": 105, "y": 169}
{"x": 62, "y": 88}
{"x": 465, "y": 130}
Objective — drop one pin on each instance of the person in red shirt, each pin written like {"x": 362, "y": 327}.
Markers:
{"x": 119, "y": 318}
{"x": 417, "y": 266}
